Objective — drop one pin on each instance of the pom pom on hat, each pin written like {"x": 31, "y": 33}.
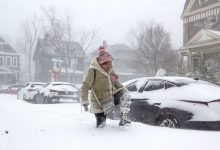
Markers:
{"x": 104, "y": 56}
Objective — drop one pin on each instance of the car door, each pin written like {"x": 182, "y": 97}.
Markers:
{"x": 145, "y": 104}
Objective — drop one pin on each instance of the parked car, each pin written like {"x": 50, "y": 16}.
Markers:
{"x": 175, "y": 102}
{"x": 11, "y": 89}
{"x": 53, "y": 92}
{"x": 29, "y": 90}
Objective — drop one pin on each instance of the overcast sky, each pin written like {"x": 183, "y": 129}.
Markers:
{"x": 114, "y": 18}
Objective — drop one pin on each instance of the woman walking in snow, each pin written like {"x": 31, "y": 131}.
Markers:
{"x": 103, "y": 82}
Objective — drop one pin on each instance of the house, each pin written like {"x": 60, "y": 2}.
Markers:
{"x": 58, "y": 64}
{"x": 201, "y": 38}
{"x": 9, "y": 63}
{"x": 123, "y": 61}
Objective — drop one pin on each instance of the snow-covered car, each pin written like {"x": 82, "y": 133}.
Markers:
{"x": 176, "y": 102}
{"x": 29, "y": 90}
{"x": 53, "y": 92}
{"x": 11, "y": 89}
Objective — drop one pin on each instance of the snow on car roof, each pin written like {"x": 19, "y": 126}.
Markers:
{"x": 173, "y": 79}
{"x": 38, "y": 83}
{"x": 194, "y": 90}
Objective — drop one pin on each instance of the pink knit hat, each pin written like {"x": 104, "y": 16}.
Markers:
{"x": 104, "y": 56}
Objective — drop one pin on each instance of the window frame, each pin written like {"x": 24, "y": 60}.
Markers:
{"x": 132, "y": 83}
{"x": 202, "y": 2}
{"x": 153, "y": 80}
{"x": 15, "y": 62}
{"x": 3, "y": 60}
{"x": 10, "y": 61}
{"x": 73, "y": 62}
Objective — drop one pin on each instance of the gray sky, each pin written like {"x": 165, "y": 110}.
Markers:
{"x": 114, "y": 18}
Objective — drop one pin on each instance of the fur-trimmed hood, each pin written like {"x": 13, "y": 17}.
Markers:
{"x": 95, "y": 65}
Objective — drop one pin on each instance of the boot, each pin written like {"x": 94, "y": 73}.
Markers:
{"x": 100, "y": 120}
{"x": 123, "y": 120}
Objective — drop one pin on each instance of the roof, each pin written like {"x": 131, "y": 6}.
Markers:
{"x": 215, "y": 32}
{"x": 1, "y": 40}
{"x": 204, "y": 37}
{"x": 5, "y": 47}
{"x": 118, "y": 51}
{"x": 186, "y": 4}
{"x": 190, "y": 3}
{"x": 50, "y": 49}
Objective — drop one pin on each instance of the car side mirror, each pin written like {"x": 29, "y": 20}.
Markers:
{"x": 132, "y": 88}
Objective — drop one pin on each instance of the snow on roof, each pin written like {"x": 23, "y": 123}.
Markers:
{"x": 2, "y": 40}
{"x": 215, "y": 32}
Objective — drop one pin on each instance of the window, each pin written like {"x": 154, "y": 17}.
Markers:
{"x": 195, "y": 63}
{"x": 132, "y": 86}
{"x": 1, "y": 60}
{"x": 169, "y": 85}
{"x": 73, "y": 62}
{"x": 154, "y": 85}
{"x": 8, "y": 62}
{"x": 136, "y": 85}
{"x": 15, "y": 62}
{"x": 202, "y": 2}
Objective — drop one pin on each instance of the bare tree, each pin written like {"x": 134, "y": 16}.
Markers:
{"x": 62, "y": 32}
{"x": 153, "y": 48}
{"x": 88, "y": 38}
{"x": 29, "y": 34}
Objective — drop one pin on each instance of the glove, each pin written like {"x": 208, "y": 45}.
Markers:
{"x": 86, "y": 107}
{"x": 117, "y": 97}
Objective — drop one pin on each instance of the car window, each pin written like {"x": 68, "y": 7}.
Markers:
{"x": 136, "y": 85}
{"x": 132, "y": 86}
{"x": 154, "y": 85}
{"x": 169, "y": 85}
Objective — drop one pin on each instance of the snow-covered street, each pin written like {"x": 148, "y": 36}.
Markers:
{"x": 64, "y": 126}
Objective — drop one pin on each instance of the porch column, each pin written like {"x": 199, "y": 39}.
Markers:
{"x": 202, "y": 62}
{"x": 189, "y": 60}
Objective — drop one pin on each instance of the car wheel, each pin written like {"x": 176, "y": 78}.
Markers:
{"x": 168, "y": 121}
{"x": 46, "y": 100}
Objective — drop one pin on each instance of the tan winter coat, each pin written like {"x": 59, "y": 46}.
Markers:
{"x": 102, "y": 85}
